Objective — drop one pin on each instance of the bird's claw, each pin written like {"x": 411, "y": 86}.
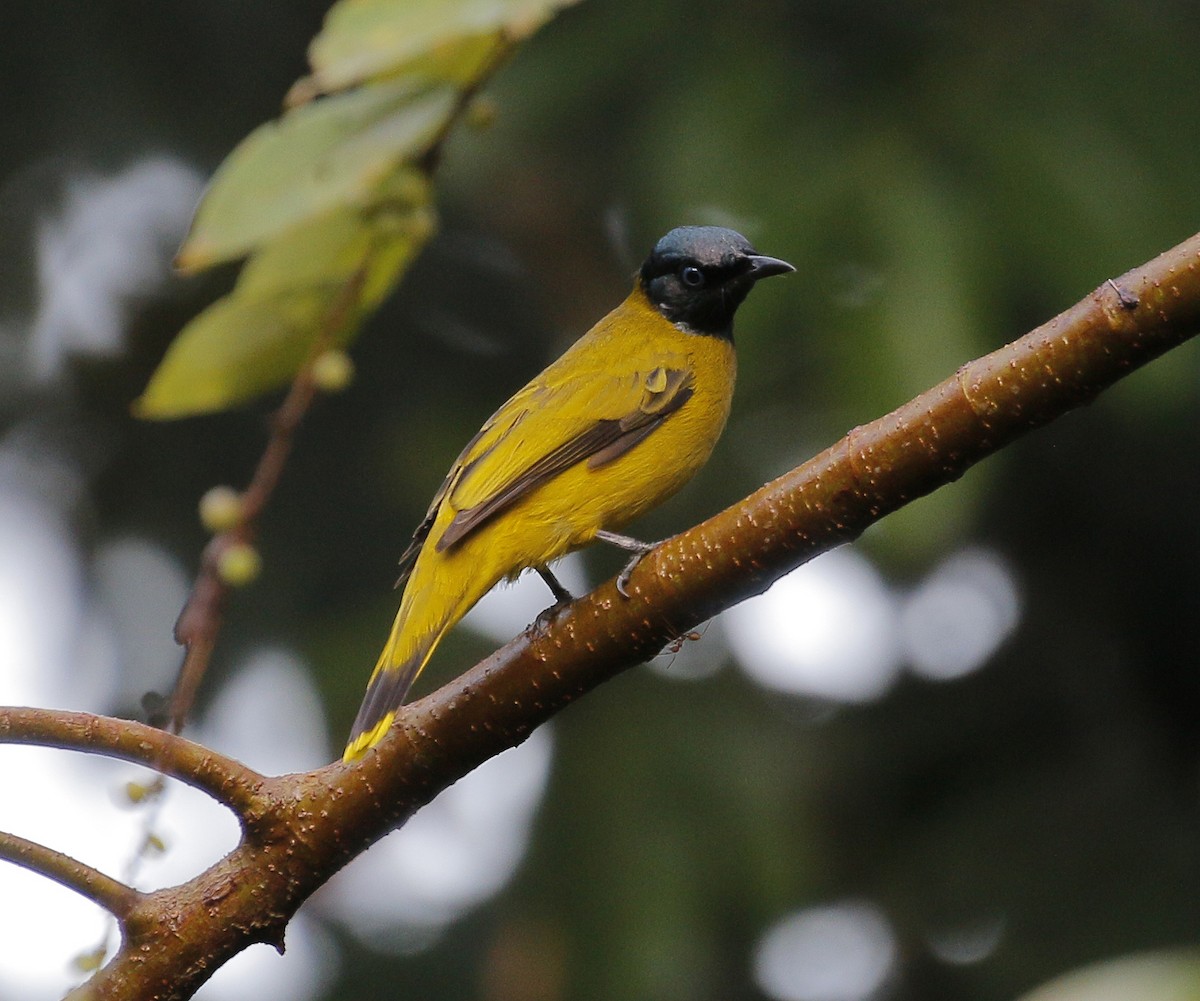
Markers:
{"x": 635, "y": 546}
{"x": 622, "y": 581}
{"x": 547, "y": 615}
{"x": 562, "y": 598}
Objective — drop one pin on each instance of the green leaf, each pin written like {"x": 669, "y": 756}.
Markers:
{"x": 319, "y": 277}
{"x": 331, "y": 201}
{"x": 329, "y": 249}
{"x": 232, "y": 351}
{"x": 459, "y": 62}
{"x": 364, "y": 39}
{"x": 332, "y": 153}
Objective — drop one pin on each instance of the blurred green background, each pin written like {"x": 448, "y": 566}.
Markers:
{"x": 944, "y": 177}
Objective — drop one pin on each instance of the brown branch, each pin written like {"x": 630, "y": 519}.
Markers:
{"x": 200, "y": 621}
{"x": 504, "y": 46}
{"x": 225, "y": 780}
{"x": 321, "y": 820}
{"x": 111, "y": 894}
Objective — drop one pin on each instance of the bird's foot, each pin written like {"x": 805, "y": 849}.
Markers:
{"x": 547, "y": 616}
{"x": 635, "y": 546}
{"x": 624, "y": 575}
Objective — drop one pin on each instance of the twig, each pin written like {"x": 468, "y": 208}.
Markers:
{"x": 200, "y": 621}
{"x": 111, "y": 894}
{"x": 227, "y": 781}
{"x": 428, "y": 161}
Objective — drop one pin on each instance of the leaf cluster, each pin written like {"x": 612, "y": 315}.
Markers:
{"x": 331, "y": 202}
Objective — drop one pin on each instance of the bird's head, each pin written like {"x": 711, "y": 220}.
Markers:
{"x": 697, "y": 276}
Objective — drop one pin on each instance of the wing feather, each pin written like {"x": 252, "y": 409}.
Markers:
{"x": 479, "y": 447}
{"x": 497, "y": 478}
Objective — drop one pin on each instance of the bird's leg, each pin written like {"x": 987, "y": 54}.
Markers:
{"x": 562, "y": 597}
{"x": 635, "y": 546}
{"x": 561, "y": 594}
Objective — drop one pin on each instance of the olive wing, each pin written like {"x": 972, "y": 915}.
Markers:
{"x": 547, "y": 429}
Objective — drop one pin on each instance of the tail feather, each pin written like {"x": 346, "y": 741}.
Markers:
{"x": 385, "y": 695}
{"x": 436, "y": 595}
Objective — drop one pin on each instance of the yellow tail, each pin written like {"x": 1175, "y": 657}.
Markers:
{"x": 438, "y": 591}
{"x": 399, "y": 664}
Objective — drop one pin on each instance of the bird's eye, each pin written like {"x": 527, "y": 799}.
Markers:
{"x": 691, "y": 276}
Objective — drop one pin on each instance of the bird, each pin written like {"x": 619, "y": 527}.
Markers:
{"x": 619, "y": 422}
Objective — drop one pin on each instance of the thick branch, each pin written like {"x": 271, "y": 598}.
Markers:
{"x": 226, "y": 780}
{"x": 830, "y": 499}
{"x": 111, "y": 894}
{"x": 321, "y": 820}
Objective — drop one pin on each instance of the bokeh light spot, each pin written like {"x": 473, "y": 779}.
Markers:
{"x": 451, "y": 856}
{"x": 956, "y": 618}
{"x": 826, "y": 630}
{"x": 508, "y": 608}
{"x": 111, "y": 242}
{"x": 840, "y": 952}
{"x": 260, "y": 973}
{"x": 967, "y": 942}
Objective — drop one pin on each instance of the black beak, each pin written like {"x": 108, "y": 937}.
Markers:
{"x": 765, "y": 267}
